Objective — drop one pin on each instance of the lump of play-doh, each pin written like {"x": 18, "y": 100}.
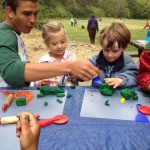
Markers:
{"x": 106, "y": 90}
{"x": 128, "y": 94}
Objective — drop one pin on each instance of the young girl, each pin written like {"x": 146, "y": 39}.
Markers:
{"x": 117, "y": 69}
{"x": 55, "y": 38}
{"x": 144, "y": 71}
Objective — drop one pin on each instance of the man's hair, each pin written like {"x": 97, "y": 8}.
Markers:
{"x": 116, "y": 32}
{"x": 14, "y": 3}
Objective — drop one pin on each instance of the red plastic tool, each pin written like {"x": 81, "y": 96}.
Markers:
{"x": 5, "y": 92}
{"x": 59, "y": 119}
{"x": 144, "y": 109}
{"x": 8, "y": 100}
{"x": 5, "y": 105}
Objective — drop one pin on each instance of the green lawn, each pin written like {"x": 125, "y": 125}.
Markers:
{"x": 80, "y": 35}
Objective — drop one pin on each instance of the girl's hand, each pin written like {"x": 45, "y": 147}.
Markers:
{"x": 45, "y": 82}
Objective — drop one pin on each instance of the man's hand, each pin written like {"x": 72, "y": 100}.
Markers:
{"x": 84, "y": 70}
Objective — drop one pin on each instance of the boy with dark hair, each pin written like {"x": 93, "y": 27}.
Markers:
{"x": 117, "y": 69}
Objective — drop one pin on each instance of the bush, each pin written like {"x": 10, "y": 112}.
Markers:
{"x": 40, "y": 23}
{"x": 2, "y": 8}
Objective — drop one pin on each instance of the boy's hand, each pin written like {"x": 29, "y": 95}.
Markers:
{"x": 115, "y": 82}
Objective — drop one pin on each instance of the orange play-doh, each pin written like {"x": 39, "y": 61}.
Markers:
{"x": 26, "y": 94}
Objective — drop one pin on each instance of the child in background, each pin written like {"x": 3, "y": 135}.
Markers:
{"x": 146, "y": 25}
{"x": 117, "y": 69}
{"x": 144, "y": 71}
{"x": 55, "y": 38}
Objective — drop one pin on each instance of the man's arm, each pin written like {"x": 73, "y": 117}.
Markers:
{"x": 81, "y": 69}
{"x": 18, "y": 73}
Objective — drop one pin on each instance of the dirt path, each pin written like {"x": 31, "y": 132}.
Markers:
{"x": 36, "y": 47}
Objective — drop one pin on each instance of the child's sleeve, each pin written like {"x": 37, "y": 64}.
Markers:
{"x": 144, "y": 81}
{"x": 93, "y": 60}
{"x": 129, "y": 73}
{"x": 144, "y": 71}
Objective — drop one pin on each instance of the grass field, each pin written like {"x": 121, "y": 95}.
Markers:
{"x": 80, "y": 35}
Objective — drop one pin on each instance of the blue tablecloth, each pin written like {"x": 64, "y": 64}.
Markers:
{"x": 93, "y": 134}
{"x": 81, "y": 133}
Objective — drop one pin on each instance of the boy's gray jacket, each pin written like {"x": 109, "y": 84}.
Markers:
{"x": 127, "y": 72}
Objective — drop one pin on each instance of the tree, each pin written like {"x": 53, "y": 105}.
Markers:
{"x": 2, "y": 8}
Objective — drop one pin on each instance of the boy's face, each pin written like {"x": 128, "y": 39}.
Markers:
{"x": 25, "y": 16}
{"x": 112, "y": 53}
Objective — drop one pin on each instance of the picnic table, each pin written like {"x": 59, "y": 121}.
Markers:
{"x": 140, "y": 45}
{"x": 83, "y": 133}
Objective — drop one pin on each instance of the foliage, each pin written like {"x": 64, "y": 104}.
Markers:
{"x": 40, "y": 23}
{"x": 61, "y": 12}
{"x": 140, "y": 10}
{"x": 137, "y": 9}
{"x": 2, "y": 7}
{"x": 107, "y": 8}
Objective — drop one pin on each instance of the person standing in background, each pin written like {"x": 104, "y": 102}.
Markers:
{"x": 146, "y": 25}
{"x": 92, "y": 27}
{"x": 75, "y": 22}
{"x": 72, "y": 21}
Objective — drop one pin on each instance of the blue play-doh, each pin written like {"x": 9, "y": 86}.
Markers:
{"x": 96, "y": 81}
{"x": 141, "y": 117}
{"x": 137, "y": 105}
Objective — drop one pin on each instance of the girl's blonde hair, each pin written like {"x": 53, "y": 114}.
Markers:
{"x": 52, "y": 28}
{"x": 116, "y": 32}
